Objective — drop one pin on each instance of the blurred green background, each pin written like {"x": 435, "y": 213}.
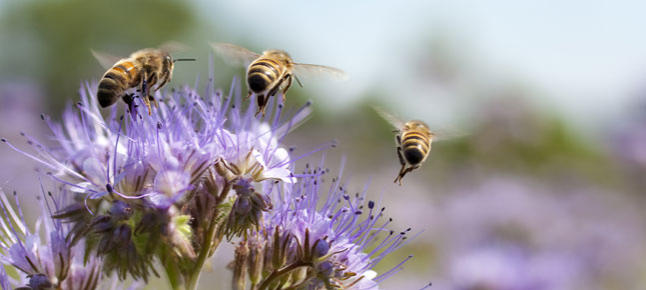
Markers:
{"x": 547, "y": 98}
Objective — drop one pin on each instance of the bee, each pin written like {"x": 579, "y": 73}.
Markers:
{"x": 148, "y": 69}
{"x": 413, "y": 140}
{"x": 270, "y": 72}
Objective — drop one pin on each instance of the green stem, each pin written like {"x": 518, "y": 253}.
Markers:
{"x": 194, "y": 276}
{"x": 174, "y": 277}
{"x": 209, "y": 243}
{"x": 277, "y": 273}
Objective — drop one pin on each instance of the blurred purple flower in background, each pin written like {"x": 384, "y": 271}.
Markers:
{"x": 20, "y": 104}
{"x": 514, "y": 233}
{"x": 627, "y": 143}
{"x": 630, "y": 144}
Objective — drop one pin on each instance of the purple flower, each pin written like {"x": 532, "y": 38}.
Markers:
{"x": 512, "y": 233}
{"x": 325, "y": 239}
{"x": 168, "y": 187}
{"x": 143, "y": 179}
{"x": 165, "y": 154}
{"x": 53, "y": 262}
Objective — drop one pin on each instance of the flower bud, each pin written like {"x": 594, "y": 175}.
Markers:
{"x": 242, "y": 206}
{"x": 320, "y": 249}
{"x": 120, "y": 211}
{"x": 256, "y": 259}
{"x": 40, "y": 281}
{"x": 325, "y": 268}
{"x": 246, "y": 212}
{"x": 240, "y": 267}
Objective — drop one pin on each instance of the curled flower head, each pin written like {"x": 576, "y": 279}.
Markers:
{"x": 53, "y": 262}
{"x": 316, "y": 241}
{"x": 247, "y": 209}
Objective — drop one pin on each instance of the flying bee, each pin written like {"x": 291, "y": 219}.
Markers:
{"x": 413, "y": 139}
{"x": 270, "y": 72}
{"x": 148, "y": 70}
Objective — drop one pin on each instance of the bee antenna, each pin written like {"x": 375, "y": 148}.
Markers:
{"x": 298, "y": 81}
{"x": 183, "y": 59}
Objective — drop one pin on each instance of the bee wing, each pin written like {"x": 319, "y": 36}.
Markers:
{"x": 390, "y": 118}
{"x": 173, "y": 46}
{"x": 448, "y": 135}
{"x": 233, "y": 54}
{"x": 106, "y": 60}
{"x": 302, "y": 69}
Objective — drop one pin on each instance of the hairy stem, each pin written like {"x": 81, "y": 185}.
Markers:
{"x": 194, "y": 275}
{"x": 174, "y": 276}
{"x": 208, "y": 245}
{"x": 280, "y": 272}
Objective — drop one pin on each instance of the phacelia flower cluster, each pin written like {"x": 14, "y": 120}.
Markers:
{"x": 166, "y": 188}
{"x": 318, "y": 239}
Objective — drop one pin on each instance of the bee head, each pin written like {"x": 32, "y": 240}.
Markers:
{"x": 416, "y": 124}
{"x": 168, "y": 61}
{"x": 279, "y": 55}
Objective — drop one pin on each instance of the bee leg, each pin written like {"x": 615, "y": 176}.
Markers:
{"x": 401, "y": 157}
{"x": 144, "y": 84}
{"x": 151, "y": 98}
{"x": 152, "y": 82}
{"x": 147, "y": 102}
{"x": 401, "y": 174}
{"x": 402, "y": 171}
{"x": 164, "y": 80}
{"x": 274, "y": 90}
{"x": 262, "y": 102}
{"x": 289, "y": 84}
{"x": 129, "y": 99}
{"x": 262, "y": 99}
{"x": 249, "y": 95}
{"x": 148, "y": 93}
{"x": 144, "y": 91}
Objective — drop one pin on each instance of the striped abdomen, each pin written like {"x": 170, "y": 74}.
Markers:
{"x": 263, "y": 74}
{"x": 415, "y": 145}
{"x": 119, "y": 78}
